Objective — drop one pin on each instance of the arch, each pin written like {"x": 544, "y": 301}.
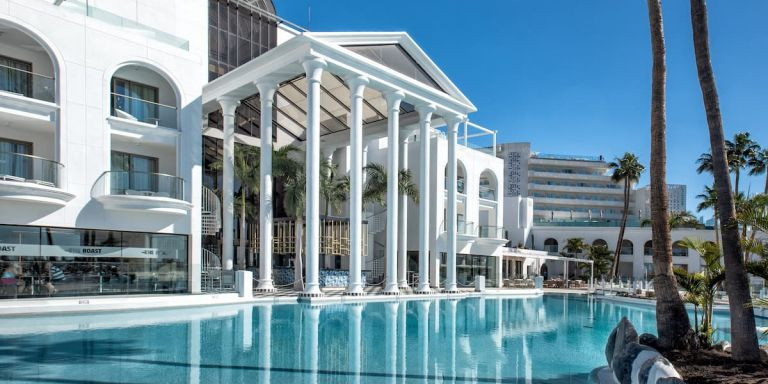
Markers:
{"x": 488, "y": 185}
{"x": 600, "y": 242}
{"x": 627, "y": 248}
{"x": 57, "y": 60}
{"x": 461, "y": 177}
{"x": 551, "y": 245}
{"x": 679, "y": 249}
{"x": 648, "y": 248}
{"x": 150, "y": 66}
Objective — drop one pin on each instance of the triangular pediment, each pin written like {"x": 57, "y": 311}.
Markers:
{"x": 398, "y": 52}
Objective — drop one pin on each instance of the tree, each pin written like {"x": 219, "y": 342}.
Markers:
{"x": 703, "y": 285}
{"x": 709, "y": 200}
{"x": 292, "y": 173}
{"x": 601, "y": 258}
{"x": 683, "y": 219}
{"x": 574, "y": 246}
{"x": 333, "y": 188}
{"x": 758, "y": 164}
{"x": 743, "y": 337}
{"x": 375, "y": 189}
{"x": 739, "y": 151}
{"x": 671, "y": 317}
{"x": 626, "y": 169}
{"x": 247, "y": 161}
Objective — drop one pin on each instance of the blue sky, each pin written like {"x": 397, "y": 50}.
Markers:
{"x": 573, "y": 77}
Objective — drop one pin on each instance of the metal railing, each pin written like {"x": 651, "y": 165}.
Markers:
{"x": 487, "y": 193}
{"x": 210, "y": 213}
{"x": 28, "y": 84}
{"x": 30, "y": 169}
{"x": 140, "y": 184}
{"x": 145, "y": 111}
{"x": 553, "y": 156}
{"x": 465, "y": 228}
{"x": 490, "y": 232}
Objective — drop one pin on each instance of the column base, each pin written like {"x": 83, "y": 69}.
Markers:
{"x": 402, "y": 285}
{"x": 391, "y": 289}
{"x": 354, "y": 293}
{"x": 311, "y": 294}
{"x": 312, "y": 291}
{"x": 424, "y": 291}
{"x": 265, "y": 286}
{"x": 390, "y": 293}
{"x": 451, "y": 291}
{"x": 355, "y": 289}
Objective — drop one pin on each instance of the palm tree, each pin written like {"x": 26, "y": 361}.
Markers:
{"x": 703, "y": 285}
{"x": 333, "y": 188}
{"x": 743, "y": 337}
{"x": 683, "y": 219}
{"x": 574, "y": 246}
{"x": 741, "y": 149}
{"x": 294, "y": 190}
{"x": 375, "y": 189}
{"x": 671, "y": 317}
{"x": 247, "y": 161}
{"x": 601, "y": 258}
{"x": 709, "y": 200}
{"x": 758, "y": 164}
{"x": 626, "y": 169}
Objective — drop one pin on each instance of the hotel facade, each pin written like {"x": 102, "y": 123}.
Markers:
{"x": 120, "y": 124}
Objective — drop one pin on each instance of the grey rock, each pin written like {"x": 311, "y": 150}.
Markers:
{"x": 625, "y": 334}
{"x": 610, "y": 345}
{"x": 670, "y": 380}
{"x": 602, "y": 375}
{"x": 624, "y": 359}
{"x": 642, "y": 375}
{"x": 722, "y": 346}
{"x": 649, "y": 339}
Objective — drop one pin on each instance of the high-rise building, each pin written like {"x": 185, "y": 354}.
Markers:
{"x": 677, "y": 199}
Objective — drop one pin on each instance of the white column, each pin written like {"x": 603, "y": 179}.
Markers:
{"x": 314, "y": 69}
{"x": 450, "y": 225}
{"x": 451, "y": 320}
{"x": 393, "y": 145}
{"x": 390, "y": 341}
{"x": 266, "y": 95}
{"x": 228, "y": 105}
{"x": 355, "y": 318}
{"x": 402, "y": 228}
{"x": 423, "y": 338}
{"x": 265, "y": 343}
{"x": 425, "y": 115}
{"x": 311, "y": 324}
{"x": 356, "y": 86}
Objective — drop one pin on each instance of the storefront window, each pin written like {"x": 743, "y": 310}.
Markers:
{"x": 41, "y": 262}
{"x": 468, "y": 267}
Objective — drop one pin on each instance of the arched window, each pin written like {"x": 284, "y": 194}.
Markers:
{"x": 461, "y": 177}
{"x": 600, "y": 243}
{"x": 678, "y": 249}
{"x": 550, "y": 245}
{"x": 27, "y": 67}
{"x": 488, "y": 185}
{"x": 139, "y": 93}
{"x": 627, "y": 248}
{"x": 648, "y": 248}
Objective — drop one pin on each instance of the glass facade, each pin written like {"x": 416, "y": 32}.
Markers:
{"x": 48, "y": 261}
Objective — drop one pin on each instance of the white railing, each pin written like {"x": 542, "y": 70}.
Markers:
{"x": 210, "y": 213}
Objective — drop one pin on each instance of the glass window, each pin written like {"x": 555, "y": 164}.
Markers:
{"x": 45, "y": 262}
{"x": 132, "y": 172}
{"x": 136, "y": 100}
{"x": 15, "y": 76}
{"x": 13, "y": 165}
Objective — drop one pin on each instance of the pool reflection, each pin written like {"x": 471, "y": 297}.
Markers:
{"x": 535, "y": 339}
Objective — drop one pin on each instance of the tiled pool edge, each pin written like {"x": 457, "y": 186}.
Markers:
{"x": 96, "y": 304}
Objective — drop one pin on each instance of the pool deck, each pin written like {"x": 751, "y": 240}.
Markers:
{"x": 73, "y": 305}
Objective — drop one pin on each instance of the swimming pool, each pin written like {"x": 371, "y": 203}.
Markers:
{"x": 551, "y": 337}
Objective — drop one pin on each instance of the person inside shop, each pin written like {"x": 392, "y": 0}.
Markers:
{"x": 10, "y": 283}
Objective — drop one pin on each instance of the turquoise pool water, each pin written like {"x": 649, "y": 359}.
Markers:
{"x": 554, "y": 338}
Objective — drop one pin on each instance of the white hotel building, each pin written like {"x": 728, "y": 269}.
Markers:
{"x": 113, "y": 114}
{"x": 552, "y": 198}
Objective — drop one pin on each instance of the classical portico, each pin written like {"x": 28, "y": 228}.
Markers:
{"x": 324, "y": 91}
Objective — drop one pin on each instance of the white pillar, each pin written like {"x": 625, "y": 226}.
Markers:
{"x": 265, "y": 342}
{"x": 390, "y": 341}
{"x": 451, "y": 320}
{"x": 356, "y": 86}
{"x": 393, "y": 171}
{"x": 314, "y": 69}
{"x": 450, "y": 235}
{"x": 355, "y": 319}
{"x": 228, "y": 105}
{"x": 425, "y": 116}
{"x": 266, "y": 95}
{"x": 311, "y": 325}
{"x": 402, "y": 228}
{"x": 423, "y": 338}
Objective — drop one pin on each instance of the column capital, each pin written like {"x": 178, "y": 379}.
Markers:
{"x": 228, "y": 104}
{"x": 356, "y": 84}
{"x": 267, "y": 87}
{"x": 453, "y": 120}
{"x": 394, "y": 98}
{"x": 313, "y": 67}
{"x": 425, "y": 110}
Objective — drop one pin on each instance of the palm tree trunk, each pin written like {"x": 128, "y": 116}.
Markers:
{"x": 298, "y": 264}
{"x": 671, "y": 317}
{"x": 616, "y": 258}
{"x": 241, "y": 248}
{"x": 696, "y": 318}
{"x": 736, "y": 182}
{"x": 766, "y": 180}
{"x": 717, "y": 228}
{"x": 743, "y": 335}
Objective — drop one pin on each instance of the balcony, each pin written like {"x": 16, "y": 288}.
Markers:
{"x": 31, "y": 178}
{"x": 490, "y": 232}
{"x": 141, "y": 191}
{"x": 26, "y": 95}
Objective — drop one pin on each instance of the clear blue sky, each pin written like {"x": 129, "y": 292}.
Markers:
{"x": 574, "y": 77}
